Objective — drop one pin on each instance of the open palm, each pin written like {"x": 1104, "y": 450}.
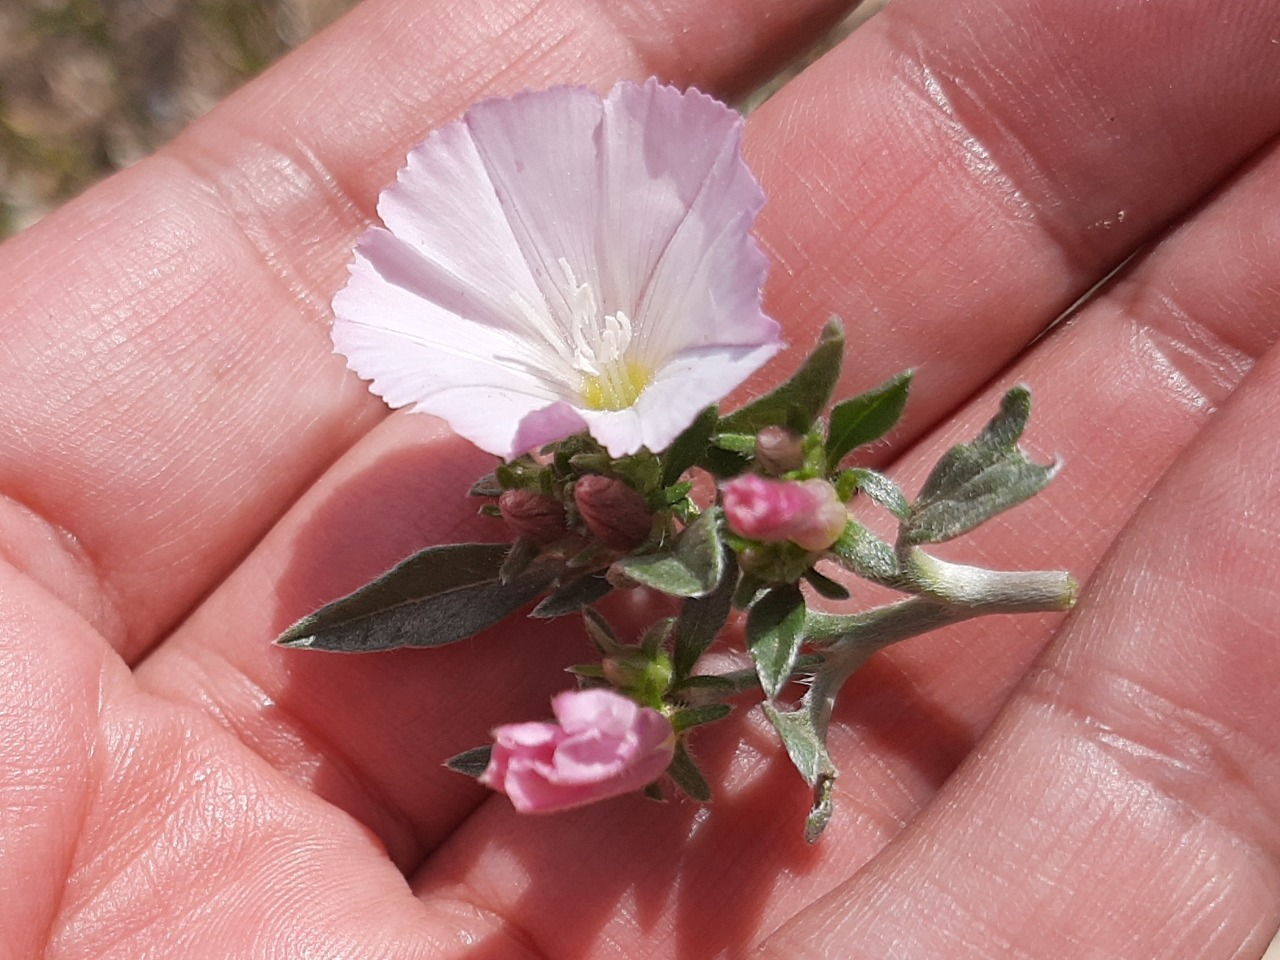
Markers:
{"x": 187, "y": 469}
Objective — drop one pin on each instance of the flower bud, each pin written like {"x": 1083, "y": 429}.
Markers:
{"x": 806, "y": 512}
{"x": 778, "y": 450}
{"x": 602, "y": 745}
{"x": 643, "y": 675}
{"x": 535, "y": 517}
{"x": 615, "y": 513}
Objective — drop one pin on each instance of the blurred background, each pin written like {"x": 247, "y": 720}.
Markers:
{"x": 89, "y": 86}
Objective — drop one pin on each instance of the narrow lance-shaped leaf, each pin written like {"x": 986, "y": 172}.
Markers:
{"x": 696, "y": 716}
{"x": 806, "y": 746}
{"x": 882, "y": 491}
{"x": 797, "y": 403}
{"x": 775, "y": 629}
{"x": 686, "y": 775}
{"x": 701, "y": 620}
{"x": 471, "y": 762}
{"x": 865, "y": 418}
{"x": 975, "y": 481}
{"x": 573, "y": 596}
{"x": 693, "y": 567}
{"x": 690, "y": 447}
{"x": 861, "y": 551}
{"x": 438, "y": 596}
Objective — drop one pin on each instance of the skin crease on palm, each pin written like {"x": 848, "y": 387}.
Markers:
{"x": 186, "y": 468}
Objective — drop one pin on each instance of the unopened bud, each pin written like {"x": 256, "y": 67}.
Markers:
{"x": 535, "y": 517}
{"x": 806, "y": 512}
{"x": 615, "y": 513}
{"x": 779, "y": 450}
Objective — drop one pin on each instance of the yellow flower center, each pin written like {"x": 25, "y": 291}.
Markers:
{"x": 617, "y": 386}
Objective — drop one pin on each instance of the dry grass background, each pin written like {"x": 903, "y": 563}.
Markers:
{"x": 89, "y": 86}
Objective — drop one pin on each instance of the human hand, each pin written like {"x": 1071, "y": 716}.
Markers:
{"x": 188, "y": 469}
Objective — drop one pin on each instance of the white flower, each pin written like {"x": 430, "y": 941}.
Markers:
{"x": 556, "y": 262}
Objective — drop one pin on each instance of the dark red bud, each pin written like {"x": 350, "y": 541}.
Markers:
{"x": 533, "y": 516}
{"x": 615, "y": 513}
{"x": 779, "y": 450}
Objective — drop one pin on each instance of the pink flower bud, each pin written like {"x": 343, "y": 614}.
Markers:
{"x": 779, "y": 449}
{"x": 806, "y": 512}
{"x": 533, "y": 516}
{"x": 614, "y": 512}
{"x": 602, "y": 745}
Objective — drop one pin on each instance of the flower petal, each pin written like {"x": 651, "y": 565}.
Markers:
{"x": 681, "y": 203}
{"x": 518, "y": 234}
{"x": 544, "y": 425}
{"x": 689, "y": 382}
{"x": 481, "y": 379}
{"x": 538, "y": 152}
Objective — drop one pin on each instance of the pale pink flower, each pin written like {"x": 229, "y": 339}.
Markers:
{"x": 558, "y": 262}
{"x": 602, "y": 744}
{"x": 806, "y": 512}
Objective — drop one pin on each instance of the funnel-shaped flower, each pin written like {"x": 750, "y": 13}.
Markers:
{"x": 556, "y": 262}
{"x": 602, "y": 745}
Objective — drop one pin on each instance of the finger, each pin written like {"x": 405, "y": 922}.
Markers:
{"x": 1120, "y": 390}
{"x": 1126, "y": 801}
{"x": 354, "y": 524}
{"x": 956, "y": 175}
{"x": 167, "y": 380}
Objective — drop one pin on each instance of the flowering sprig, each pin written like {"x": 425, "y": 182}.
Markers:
{"x": 571, "y": 282}
{"x": 587, "y": 524}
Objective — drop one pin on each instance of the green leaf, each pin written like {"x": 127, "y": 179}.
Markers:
{"x": 882, "y": 491}
{"x": 690, "y": 447}
{"x": 654, "y": 792}
{"x": 775, "y": 629}
{"x": 740, "y": 443}
{"x": 693, "y": 567}
{"x": 518, "y": 560}
{"x": 722, "y": 464}
{"x": 820, "y": 813}
{"x": 438, "y": 596}
{"x": 696, "y": 716}
{"x": 975, "y": 481}
{"x": 701, "y": 620}
{"x": 797, "y": 403}
{"x": 472, "y": 762}
{"x": 573, "y": 596}
{"x": 824, "y": 586}
{"x": 487, "y": 486}
{"x": 599, "y": 631}
{"x": 805, "y": 744}
{"x": 865, "y": 418}
{"x": 686, "y": 775}
{"x": 861, "y": 551}
{"x": 703, "y": 689}
{"x": 656, "y": 637}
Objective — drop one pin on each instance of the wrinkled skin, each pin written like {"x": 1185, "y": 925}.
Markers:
{"x": 187, "y": 469}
